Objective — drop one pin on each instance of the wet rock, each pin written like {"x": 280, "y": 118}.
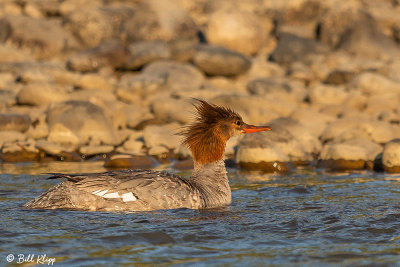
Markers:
{"x": 134, "y": 144}
{"x": 217, "y": 60}
{"x": 22, "y": 151}
{"x": 161, "y": 139}
{"x": 43, "y": 38}
{"x": 95, "y": 25}
{"x": 374, "y": 84}
{"x": 145, "y": 52}
{"x": 184, "y": 165}
{"x": 95, "y": 150}
{"x": 288, "y": 141}
{"x": 14, "y": 122}
{"x": 52, "y": 148}
{"x": 391, "y": 156}
{"x": 292, "y": 48}
{"x": 152, "y": 20}
{"x": 352, "y": 128}
{"x": 42, "y": 94}
{"x": 121, "y": 161}
{"x": 85, "y": 120}
{"x": 327, "y": 95}
{"x": 351, "y": 154}
{"x": 111, "y": 53}
{"x": 11, "y": 136}
{"x": 235, "y": 29}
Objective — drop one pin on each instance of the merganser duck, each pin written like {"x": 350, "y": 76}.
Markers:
{"x": 145, "y": 190}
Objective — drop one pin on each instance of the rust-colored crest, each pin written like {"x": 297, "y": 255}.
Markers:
{"x": 204, "y": 137}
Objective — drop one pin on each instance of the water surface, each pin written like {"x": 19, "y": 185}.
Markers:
{"x": 306, "y": 218}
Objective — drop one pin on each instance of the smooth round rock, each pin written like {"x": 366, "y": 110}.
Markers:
{"x": 391, "y": 156}
{"x": 87, "y": 121}
{"x": 14, "y": 122}
{"x": 217, "y": 60}
{"x": 145, "y": 52}
{"x": 237, "y": 30}
{"x": 42, "y": 94}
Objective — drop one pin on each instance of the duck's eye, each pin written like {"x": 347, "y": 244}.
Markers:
{"x": 238, "y": 123}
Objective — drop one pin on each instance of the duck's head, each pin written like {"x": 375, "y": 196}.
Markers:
{"x": 213, "y": 126}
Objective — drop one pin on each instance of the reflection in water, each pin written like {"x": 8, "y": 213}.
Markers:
{"x": 304, "y": 218}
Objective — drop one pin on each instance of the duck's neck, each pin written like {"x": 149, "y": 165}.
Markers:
{"x": 212, "y": 182}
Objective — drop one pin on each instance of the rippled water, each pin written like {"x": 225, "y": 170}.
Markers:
{"x": 307, "y": 218}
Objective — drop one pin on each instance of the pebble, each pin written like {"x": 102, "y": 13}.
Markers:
{"x": 391, "y": 156}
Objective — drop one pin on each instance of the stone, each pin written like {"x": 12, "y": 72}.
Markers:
{"x": 365, "y": 39}
{"x": 14, "y": 122}
{"x": 159, "y": 20}
{"x": 236, "y": 29}
{"x": 264, "y": 86}
{"x": 134, "y": 145}
{"x": 145, "y": 52}
{"x": 94, "y": 81}
{"x": 352, "y": 128}
{"x": 323, "y": 95}
{"x": 122, "y": 161}
{"x": 43, "y": 38}
{"x": 172, "y": 110}
{"x": 67, "y": 7}
{"x": 11, "y": 136}
{"x": 217, "y": 60}
{"x": 42, "y": 94}
{"x": 51, "y": 148}
{"x": 292, "y": 48}
{"x": 339, "y": 77}
{"x": 95, "y": 25}
{"x": 111, "y": 53}
{"x": 254, "y": 109}
{"x": 391, "y": 156}
{"x": 9, "y": 53}
{"x": 354, "y": 154}
{"x": 156, "y": 136}
{"x": 288, "y": 141}
{"x": 87, "y": 121}
{"x": 95, "y": 150}
{"x": 371, "y": 83}
{"x": 178, "y": 76}
{"x": 60, "y": 134}
{"x": 313, "y": 120}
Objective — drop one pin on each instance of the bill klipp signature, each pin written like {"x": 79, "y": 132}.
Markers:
{"x": 30, "y": 258}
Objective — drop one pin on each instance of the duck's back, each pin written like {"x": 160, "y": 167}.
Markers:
{"x": 131, "y": 190}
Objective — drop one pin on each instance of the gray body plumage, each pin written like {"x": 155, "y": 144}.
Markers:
{"x": 138, "y": 190}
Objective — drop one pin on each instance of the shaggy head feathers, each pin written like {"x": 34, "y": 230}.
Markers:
{"x": 207, "y": 135}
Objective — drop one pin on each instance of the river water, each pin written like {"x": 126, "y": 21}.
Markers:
{"x": 306, "y": 218}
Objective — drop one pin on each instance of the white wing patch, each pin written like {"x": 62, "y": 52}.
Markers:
{"x": 112, "y": 195}
{"x": 128, "y": 197}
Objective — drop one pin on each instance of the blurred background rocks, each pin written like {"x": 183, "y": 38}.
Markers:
{"x": 114, "y": 80}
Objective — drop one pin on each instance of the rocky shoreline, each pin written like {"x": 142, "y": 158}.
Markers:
{"x": 113, "y": 80}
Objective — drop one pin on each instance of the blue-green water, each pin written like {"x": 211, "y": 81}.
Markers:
{"x": 307, "y": 218}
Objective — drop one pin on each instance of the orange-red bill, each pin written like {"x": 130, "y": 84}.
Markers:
{"x": 253, "y": 129}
